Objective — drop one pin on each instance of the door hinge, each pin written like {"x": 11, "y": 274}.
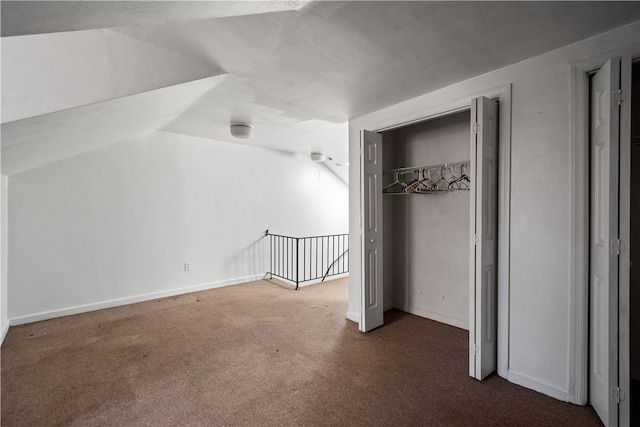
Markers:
{"x": 616, "y": 246}
{"x": 617, "y": 395}
{"x": 475, "y": 349}
{"x": 475, "y": 127}
{"x": 476, "y": 240}
{"x": 617, "y": 97}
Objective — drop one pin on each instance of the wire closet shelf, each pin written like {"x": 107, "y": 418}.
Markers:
{"x": 434, "y": 179}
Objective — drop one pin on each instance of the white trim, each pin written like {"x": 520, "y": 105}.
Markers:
{"x": 3, "y": 333}
{"x": 578, "y": 350}
{"x": 311, "y": 282}
{"x": 354, "y": 317}
{"x": 504, "y": 228}
{"x": 578, "y": 342}
{"x": 624, "y": 223}
{"x": 528, "y": 381}
{"x": 128, "y": 300}
{"x": 428, "y": 314}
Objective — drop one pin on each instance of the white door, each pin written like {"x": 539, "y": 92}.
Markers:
{"x": 484, "y": 238}
{"x": 603, "y": 274}
{"x": 371, "y": 222}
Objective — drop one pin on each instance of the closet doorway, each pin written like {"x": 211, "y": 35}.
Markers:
{"x": 430, "y": 225}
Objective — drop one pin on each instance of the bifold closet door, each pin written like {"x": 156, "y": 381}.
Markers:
{"x": 603, "y": 275}
{"x": 484, "y": 238}
{"x": 371, "y": 313}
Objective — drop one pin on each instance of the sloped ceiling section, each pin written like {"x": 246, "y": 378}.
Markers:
{"x": 36, "y": 141}
{"x": 46, "y": 73}
{"x": 67, "y": 93}
{"x": 234, "y": 101}
{"x": 37, "y": 17}
{"x": 102, "y": 86}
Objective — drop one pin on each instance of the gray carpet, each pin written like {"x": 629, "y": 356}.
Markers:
{"x": 256, "y": 354}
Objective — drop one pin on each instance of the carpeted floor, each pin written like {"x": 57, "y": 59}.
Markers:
{"x": 256, "y": 354}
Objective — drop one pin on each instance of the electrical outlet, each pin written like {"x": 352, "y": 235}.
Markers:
{"x": 187, "y": 266}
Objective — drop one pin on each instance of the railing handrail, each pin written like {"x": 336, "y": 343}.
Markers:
{"x": 333, "y": 263}
{"x": 306, "y": 237}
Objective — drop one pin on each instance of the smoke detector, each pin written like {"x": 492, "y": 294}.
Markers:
{"x": 241, "y": 131}
{"x": 318, "y": 157}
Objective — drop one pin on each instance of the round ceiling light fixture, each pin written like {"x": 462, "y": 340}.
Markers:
{"x": 241, "y": 131}
{"x": 318, "y": 157}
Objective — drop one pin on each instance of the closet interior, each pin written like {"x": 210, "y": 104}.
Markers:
{"x": 426, "y": 218}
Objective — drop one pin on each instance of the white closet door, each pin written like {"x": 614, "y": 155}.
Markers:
{"x": 484, "y": 238}
{"x": 371, "y": 222}
{"x": 603, "y": 282}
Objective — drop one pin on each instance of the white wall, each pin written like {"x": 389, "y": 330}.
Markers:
{"x": 541, "y": 202}
{"x": 116, "y": 224}
{"x": 426, "y": 236}
{"x": 4, "y": 321}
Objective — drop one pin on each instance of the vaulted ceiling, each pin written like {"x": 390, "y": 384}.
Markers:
{"x": 80, "y": 75}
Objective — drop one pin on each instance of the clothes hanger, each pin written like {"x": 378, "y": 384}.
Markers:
{"x": 462, "y": 183}
{"x": 396, "y": 181}
{"x": 443, "y": 180}
{"x": 424, "y": 185}
{"x": 418, "y": 186}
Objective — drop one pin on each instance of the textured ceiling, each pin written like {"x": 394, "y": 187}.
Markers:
{"x": 339, "y": 60}
{"x": 297, "y": 73}
{"x": 39, "y": 17}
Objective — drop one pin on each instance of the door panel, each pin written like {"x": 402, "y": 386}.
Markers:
{"x": 484, "y": 241}
{"x": 371, "y": 168}
{"x": 603, "y": 282}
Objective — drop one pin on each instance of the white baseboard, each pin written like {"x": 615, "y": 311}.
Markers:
{"x": 36, "y": 317}
{"x": 458, "y": 323}
{"x": 316, "y": 281}
{"x": 524, "y": 380}
{"x": 3, "y": 332}
{"x": 354, "y": 317}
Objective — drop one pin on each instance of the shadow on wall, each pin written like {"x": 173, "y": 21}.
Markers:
{"x": 253, "y": 260}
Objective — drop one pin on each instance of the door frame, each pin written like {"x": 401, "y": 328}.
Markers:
{"x": 624, "y": 208}
{"x": 502, "y": 94}
{"x": 578, "y": 354}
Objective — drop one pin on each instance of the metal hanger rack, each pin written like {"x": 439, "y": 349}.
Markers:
{"x": 434, "y": 179}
